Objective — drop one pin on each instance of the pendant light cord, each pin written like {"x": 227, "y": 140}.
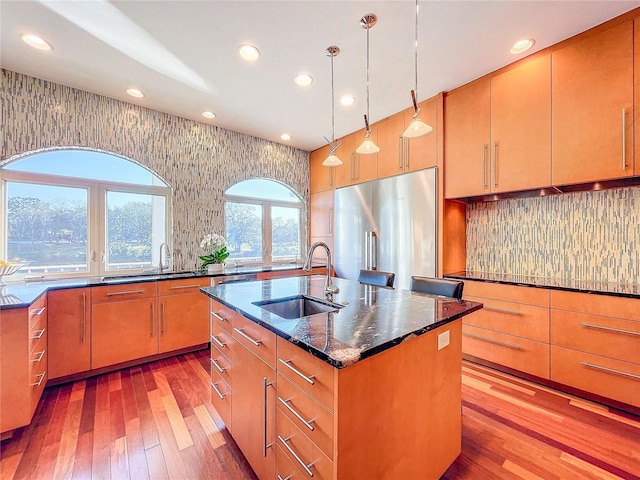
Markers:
{"x": 333, "y": 127}
{"x": 367, "y": 119}
{"x": 416, "y": 51}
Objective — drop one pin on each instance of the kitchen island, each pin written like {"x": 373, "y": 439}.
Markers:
{"x": 360, "y": 391}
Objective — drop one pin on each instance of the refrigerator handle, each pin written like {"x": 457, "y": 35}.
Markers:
{"x": 367, "y": 244}
{"x": 374, "y": 251}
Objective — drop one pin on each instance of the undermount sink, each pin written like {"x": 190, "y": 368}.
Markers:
{"x": 297, "y": 307}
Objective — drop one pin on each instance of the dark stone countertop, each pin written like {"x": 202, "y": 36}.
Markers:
{"x": 375, "y": 319}
{"x": 583, "y": 286}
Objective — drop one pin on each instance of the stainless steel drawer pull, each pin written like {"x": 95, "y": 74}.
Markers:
{"x": 220, "y": 344}
{"x": 624, "y": 139}
{"x": 218, "y": 367}
{"x": 279, "y": 477}
{"x": 126, "y": 292}
{"x": 308, "y": 379}
{"x": 177, "y": 287}
{"x": 610, "y": 370}
{"x": 296, "y": 456}
{"x": 610, "y": 329}
{"x": 215, "y": 389}
{"x": 255, "y": 342}
{"x": 38, "y": 312}
{"x": 265, "y": 383}
{"x": 491, "y": 340}
{"x": 38, "y": 335}
{"x": 40, "y": 355}
{"x": 219, "y": 317}
{"x": 39, "y": 382}
{"x": 307, "y": 423}
{"x": 500, "y": 310}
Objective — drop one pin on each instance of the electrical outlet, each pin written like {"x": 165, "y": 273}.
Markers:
{"x": 443, "y": 340}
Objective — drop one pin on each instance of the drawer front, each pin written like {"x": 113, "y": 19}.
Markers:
{"x": 517, "y": 319}
{"x": 301, "y": 451}
{"x": 507, "y": 293}
{"x": 223, "y": 315}
{"x": 223, "y": 342}
{"x": 600, "y": 375}
{"x": 257, "y": 339}
{"x": 221, "y": 398}
{"x": 307, "y": 372}
{"x": 126, "y": 291}
{"x": 221, "y": 364}
{"x": 513, "y": 352}
{"x": 37, "y": 377}
{"x": 610, "y": 337}
{"x": 38, "y": 353}
{"x": 605, "y": 305}
{"x": 184, "y": 285}
{"x": 307, "y": 414}
{"x": 285, "y": 469}
{"x": 37, "y": 334}
{"x": 38, "y": 313}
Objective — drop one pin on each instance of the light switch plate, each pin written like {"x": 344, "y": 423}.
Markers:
{"x": 443, "y": 340}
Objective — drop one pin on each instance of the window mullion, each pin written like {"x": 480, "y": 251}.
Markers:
{"x": 266, "y": 232}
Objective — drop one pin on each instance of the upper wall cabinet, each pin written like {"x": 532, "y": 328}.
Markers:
{"x": 390, "y": 158}
{"x": 321, "y": 178}
{"x": 636, "y": 86}
{"x": 592, "y": 107}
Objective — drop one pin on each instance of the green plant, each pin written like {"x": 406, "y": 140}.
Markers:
{"x": 217, "y": 245}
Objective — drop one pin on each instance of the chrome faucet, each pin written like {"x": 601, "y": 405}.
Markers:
{"x": 161, "y": 266}
{"x": 329, "y": 288}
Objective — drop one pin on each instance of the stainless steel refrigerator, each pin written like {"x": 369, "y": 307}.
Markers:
{"x": 388, "y": 225}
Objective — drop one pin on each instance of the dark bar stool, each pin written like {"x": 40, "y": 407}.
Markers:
{"x": 375, "y": 277}
{"x": 437, "y": 286}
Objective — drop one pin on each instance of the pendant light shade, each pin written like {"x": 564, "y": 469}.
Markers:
{"x": 332, "y": 159}
{"x": 417, "y": 128}
{"x": 367, "y": 147}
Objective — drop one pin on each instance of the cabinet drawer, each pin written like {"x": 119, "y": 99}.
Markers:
{"x": 222, "y": 314}
{"x": 223, "y": 342}
{"x": 38, "y": 334}
{"x": 38, "y": 313}
{"x": 513, "y": 352}
{"x": 285, "y": 467}
{"x": 37, "y": 380}
{"x": 610, "y": 337}
{"x": 518, "y": 319}
{"x": 38, "y": 352}
{"x": 294, "y": 444}
{"x": 184, "y": 285}
{"x": 309, "y": 373}
{"x": 221, "y": 364}
{"x": 221, "y": 398}
{"x": 509, "y": 293}
{"x": 308, "y": 415}
{"x": 600, "y": 375}
{"x": 605, "y": 305}
{"x": 257, "y": 339}
{"x": 126, "y": 291}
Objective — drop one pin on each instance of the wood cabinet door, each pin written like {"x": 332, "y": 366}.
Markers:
{"x": 123, "y": 331}
{"x": 592, "y": 85}
{"x": 422, "y": 152}
{"x": 466, "y": 140}
{"x": 320, "y": 177}
{"x": 345, "y": 174}
{"x": 521, "y": 127}
{"x": 321, "y": 213}
{"x": 390, "y": 158}
{"x": 636, "y": 89}
{"x": 184, "y": 321}
{"x": 69, "y": 331}
{"x": 253, "y": 410}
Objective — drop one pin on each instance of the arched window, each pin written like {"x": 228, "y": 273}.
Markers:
{"x": 263, "y": 222}
{"x": 74, "y": 212}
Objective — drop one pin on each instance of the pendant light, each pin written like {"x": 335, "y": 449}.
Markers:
{"x": 417, "y": 128}
{"x": 367, "y": 147}
{"x": 332, "y": 160}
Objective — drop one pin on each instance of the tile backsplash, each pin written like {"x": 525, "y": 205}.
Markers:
{"x": 584, "y": 236}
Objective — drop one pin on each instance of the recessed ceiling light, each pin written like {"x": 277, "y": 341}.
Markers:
{"x": 285, "y": 136}
{"x": 208, "y": 114}
{"x": 249, "y": 52}
{"x": 134, "y": 92}
{"x": 303, "y": 80}
{"x": 36, "y": 42}
{"x": 522, "y": 46}
{"x": 347, "y": 100}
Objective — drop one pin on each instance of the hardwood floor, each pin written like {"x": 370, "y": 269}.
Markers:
{"x": 156, "y": 422}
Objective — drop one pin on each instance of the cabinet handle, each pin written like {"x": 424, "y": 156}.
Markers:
{"x": 219, "y": 317}
{"x": 610, "y": 329}
{"x": 164, "y": 319}
{"x": 491, "y": 340}
{"x": 215, "y": 389}
{"x": 39, "y": 382}
{"x": 279, "y": 477}
{"x": 495, "y": 164}
{"x": 38, "y": 335}
{"x": 218, "y": 367}
{"x": 308, "y": 379}
{"x": 255, "y": 342}
{"x": 357, "y": 169}
{"x": 624, "y": 140}
{"x": 84, "y": 317}
{"x": 331, "y": 221}
{"x": 352, "y": 167}
{"x": 220, "y": 344}
{"x": 265, "y": 384}
{"x": 330, "y": 177}
{"x": 153, "y": 316}
{"x": 307, "y": 423}
{"x": 40, "y": 355}
{"x": 38, "y": 312}
{"x": 178, "y": 287}
{"x": 296, "y": 456}
{"x": 126, "y": 292}
{"x": 400, "y": 152}
{"x": 407, "y": 144}
{"x": 610, "y": 370}
{"x": 500, "y": 310}
{"x": 484, "y": 165}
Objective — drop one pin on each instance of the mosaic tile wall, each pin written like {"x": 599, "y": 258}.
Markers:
{"x": 584, "y": 236}
{"x": 199, "y": 161}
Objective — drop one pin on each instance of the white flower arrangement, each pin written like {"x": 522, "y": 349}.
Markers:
{"x": 217, "y": 246}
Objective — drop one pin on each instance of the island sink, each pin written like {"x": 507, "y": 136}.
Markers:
{"x": 297, "y": 307}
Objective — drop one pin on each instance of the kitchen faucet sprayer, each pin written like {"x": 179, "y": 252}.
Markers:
{"x": 329, "y": 288}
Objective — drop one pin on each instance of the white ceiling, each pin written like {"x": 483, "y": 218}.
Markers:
{"x": 183, "y": 54}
